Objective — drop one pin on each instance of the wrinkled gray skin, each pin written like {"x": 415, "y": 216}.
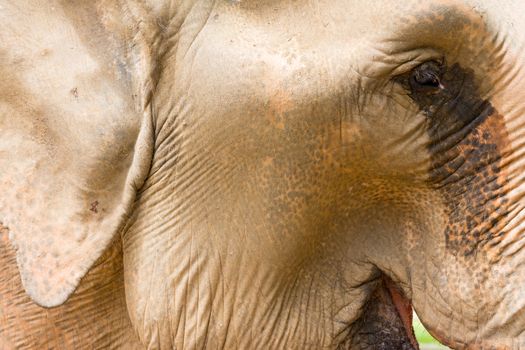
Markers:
{"x": 261, "y": 174}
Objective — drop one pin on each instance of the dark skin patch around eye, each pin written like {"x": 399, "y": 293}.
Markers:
{"x": 467, "y": 140}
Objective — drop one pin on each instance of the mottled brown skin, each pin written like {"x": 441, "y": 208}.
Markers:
{"x": 467, "y": 141}
{"x": 94, "y": 318}
{"x": 261, "y": 174}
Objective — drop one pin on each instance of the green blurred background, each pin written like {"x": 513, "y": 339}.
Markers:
{"x": 426, "y": 341}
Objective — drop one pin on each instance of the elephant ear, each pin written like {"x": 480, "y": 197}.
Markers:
{"x": 68, "y": 131}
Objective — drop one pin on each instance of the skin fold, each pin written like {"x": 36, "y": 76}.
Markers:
{"x": 261, "y": 174}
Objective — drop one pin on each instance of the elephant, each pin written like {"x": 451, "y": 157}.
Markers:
{"x": 260, "y": 174}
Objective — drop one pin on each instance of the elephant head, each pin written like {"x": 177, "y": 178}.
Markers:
{"x": 281, "y": 174}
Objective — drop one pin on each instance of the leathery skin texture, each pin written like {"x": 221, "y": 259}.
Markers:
{"x": 96, "y": 316}
{"x": 260, "y": 174}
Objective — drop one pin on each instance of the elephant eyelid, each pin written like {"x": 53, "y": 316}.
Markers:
{"x": 405, "y": 65}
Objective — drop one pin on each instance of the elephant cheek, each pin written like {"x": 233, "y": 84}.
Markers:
{"x": 473, "y": 186}
{"x": 469, "y": 151}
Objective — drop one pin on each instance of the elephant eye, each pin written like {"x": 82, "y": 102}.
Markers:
{"x": 426, "y": 78}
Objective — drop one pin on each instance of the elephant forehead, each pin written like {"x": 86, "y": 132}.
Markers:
{"x": 298, "y": 54}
